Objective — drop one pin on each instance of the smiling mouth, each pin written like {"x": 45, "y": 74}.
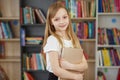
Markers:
{"x": 62, "y": 26}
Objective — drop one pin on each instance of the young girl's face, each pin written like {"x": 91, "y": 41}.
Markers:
{"x": 61, "y": 20}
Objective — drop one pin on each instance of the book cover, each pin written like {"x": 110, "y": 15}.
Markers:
{"x": 73, "y": 55}
{"x": 15, "y": 27}
{"x": 106, "y": 57}
{"x": 100, "y": 8}
{"x": 113, "y": 57}
{"x": 4, "y": 30}
{"x": 100, "y": 57}
{"x": 1, "y": 32}
{"x": 39, "y": 64}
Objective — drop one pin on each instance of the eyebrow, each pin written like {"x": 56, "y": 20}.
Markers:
{"x": 63, "y": 15}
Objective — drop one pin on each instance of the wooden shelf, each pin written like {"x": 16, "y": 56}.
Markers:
{"x": 32, "y": 24}
{"x": 108, "y": 45}
{"x": 83, "y": 19}
{"x": 9, "y": 18}
{"x": 87, "y": 40}
{"x": 109, "y": 67}
{"x": 13, "y": 39}
{"x": 10, "y": 60}
{"x": 108, "y": 14}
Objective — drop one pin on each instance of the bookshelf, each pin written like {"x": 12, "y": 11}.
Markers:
{"x": 11, "y": 45}
{"x": 32, "y": 31}
{"x": 108, "y": 43}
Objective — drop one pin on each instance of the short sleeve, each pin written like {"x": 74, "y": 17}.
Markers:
{"x": 52, "y": 44}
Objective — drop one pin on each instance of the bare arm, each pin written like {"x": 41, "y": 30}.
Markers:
{"x": 60, "y": 72}
{"x": 75, "y": 67}
{"x": 80, "y": 67}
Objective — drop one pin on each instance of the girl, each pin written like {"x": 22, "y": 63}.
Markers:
{"x": 58, "y": 34}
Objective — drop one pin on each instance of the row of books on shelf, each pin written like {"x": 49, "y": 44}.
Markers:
{"x": 9, "y": 29}
{"x": 29, "y": 40}
{"x": 30, "y": 15}
{"x": 33, "y": 61}
{"x": 34, "y": 40}
{"x": 109, "y": 57}
{"x": 109, "y": 36}
{"x": 81, "y": 8}
{"x": 5, "y": 30}
{"x": 109, "y": 6}
{"x": 108, "y": 74}
{"x": 85, "y": 30}
{"x": 27, "y": 76}
{"x": 2, "y": 49}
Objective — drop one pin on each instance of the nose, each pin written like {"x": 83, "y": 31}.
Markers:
{"x": 61, "y": 21}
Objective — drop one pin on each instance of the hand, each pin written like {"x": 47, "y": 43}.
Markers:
{"x": 65, "y": 64}
{"x": 79, "y": 77}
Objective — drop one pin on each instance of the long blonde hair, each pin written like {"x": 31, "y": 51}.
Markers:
{"x": 50, "y": 30}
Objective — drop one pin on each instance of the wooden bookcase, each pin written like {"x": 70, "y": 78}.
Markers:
{"x": 107, "y": 43}
{"x": 11, "y": 61}
{"x": 33, "y": 30}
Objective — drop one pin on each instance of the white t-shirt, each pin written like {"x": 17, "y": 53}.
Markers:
{"x": 53, "y": 45}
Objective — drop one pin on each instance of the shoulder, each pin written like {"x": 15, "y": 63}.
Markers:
{"x": 52, "y": 44}
{"x": 52, "y": 38}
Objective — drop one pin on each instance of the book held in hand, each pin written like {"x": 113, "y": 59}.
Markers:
{"x": 73, "y": 55}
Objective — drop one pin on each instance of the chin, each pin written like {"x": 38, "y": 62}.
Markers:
{"x": 63, "y": 29}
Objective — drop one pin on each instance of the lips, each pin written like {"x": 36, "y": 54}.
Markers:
{"x": 62, "y": 25}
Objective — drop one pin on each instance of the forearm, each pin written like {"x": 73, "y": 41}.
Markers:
{"x": 79, "y": 67}
{"x": 67, "y": 74}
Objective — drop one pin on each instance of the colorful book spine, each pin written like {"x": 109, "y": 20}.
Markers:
{"x": 106, "y": 57}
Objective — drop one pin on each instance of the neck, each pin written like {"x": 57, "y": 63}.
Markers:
{"x": 63, "y": 35}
